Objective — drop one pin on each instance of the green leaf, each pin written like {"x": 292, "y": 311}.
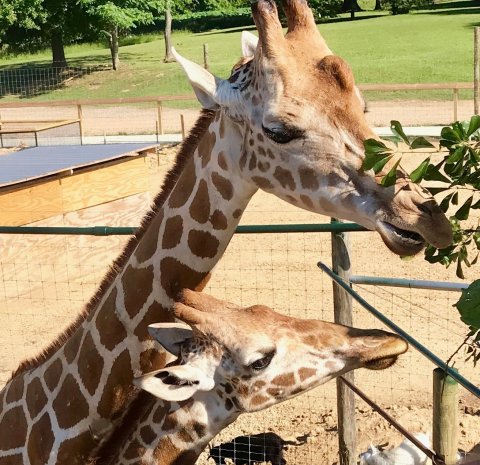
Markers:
{"x": 459, "y": 271}
{"x": 390, "y": 179}
{"x": 455, "y": 198}
{"x": 421, "y": 143}
{"x": 397, "y": 130}
{"x": 375, "y": 146}
{"x": 476, "y": 205}
{"x": 417, "y": 174}
{"x": 445, "y": 203}
{"x": 379, "y": 165}
{"x": 464, "y": 210}
{"x": 469, "y": 305}
{"x": 437, "y": 190}
{"x": 450, "y": 134}
{"x": 393, "y": 139}
{"x": 433, "y": 174}
{"x": 407, "y": 258}
{"x": 456, "y": 155}
{"x": 474, "y": 125}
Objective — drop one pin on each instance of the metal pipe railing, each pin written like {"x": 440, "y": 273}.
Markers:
{"x": 421, "y": 348}
{"x": 410, "y": 283}
{"x": 129, "y": 230}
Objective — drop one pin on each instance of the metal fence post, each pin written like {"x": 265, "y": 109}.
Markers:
{"x": 445, "y": 416}
{"x": 80, "y": 122}
{"x": 455, "y": 104}
{"x": 342, "y": 304}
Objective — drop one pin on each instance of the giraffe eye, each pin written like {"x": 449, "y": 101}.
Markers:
{"x": 263, "y": 362}
{"x": 282, "y": 135}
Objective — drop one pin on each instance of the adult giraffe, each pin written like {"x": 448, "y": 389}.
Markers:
{"x": 289, "y": 121}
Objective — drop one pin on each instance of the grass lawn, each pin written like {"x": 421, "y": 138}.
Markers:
{"x": 434, "y": 45}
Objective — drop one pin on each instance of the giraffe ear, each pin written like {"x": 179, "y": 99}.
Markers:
{"x": 249, "y": 44}
{"x": 211, "y": 91}
{"x": 171, "y": 335}
{"x": 175, "y": 383}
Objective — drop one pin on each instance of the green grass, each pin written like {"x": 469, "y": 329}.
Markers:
{"x": 433, "y": 45}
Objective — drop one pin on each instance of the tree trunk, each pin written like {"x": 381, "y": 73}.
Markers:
{"x": 351, "y": 6}
{"x": 113, "y": 44}
{"x": 58, "y": 52}
{"x": 168, "y": 35}
{"x": 378, "y": 5}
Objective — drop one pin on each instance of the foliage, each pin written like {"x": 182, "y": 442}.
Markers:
{"x": 458, "y": 172}
{"x": 399, "y": 7}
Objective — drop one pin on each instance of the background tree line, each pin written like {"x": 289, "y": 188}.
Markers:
{"x": 29, "y": 25}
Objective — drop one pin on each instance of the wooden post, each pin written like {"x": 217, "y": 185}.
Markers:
{"x": 342, "y": 305}
{"x": 206, "y": 58}
{"x": 445, "y": 416}
{"x": 156, "y": 129}
{"x": 160, "y": 113}
{"x": 476, "y": 70}
{"x": 455, "y": 104}
{"x": 80, "y": 114}
{"x": 182, "y": 122}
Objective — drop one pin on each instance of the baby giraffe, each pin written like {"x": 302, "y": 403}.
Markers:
{"x": 232, "y": 360}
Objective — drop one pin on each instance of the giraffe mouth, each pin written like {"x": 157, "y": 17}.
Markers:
{"x": 401, "y": 241}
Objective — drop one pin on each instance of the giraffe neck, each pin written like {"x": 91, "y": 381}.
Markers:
{"x": 175, "y": 433}
{"x": 73, "y": 401}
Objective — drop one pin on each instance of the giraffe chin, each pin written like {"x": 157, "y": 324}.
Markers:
{"x": 401, "y": 241}
{"x": 380, "y": 364}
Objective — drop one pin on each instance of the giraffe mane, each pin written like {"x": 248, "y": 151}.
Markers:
{"x": 185, "y": 153}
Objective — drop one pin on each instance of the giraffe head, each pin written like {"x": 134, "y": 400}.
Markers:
{"x": 252, "y": 358}
{"x": 302, "y": 124}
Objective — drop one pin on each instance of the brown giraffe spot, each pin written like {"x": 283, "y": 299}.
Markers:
{"x": 200, "y": 206}
{"x": 76, "y": 451}
{"x": 137, "y": 286}
{"x": 70, "y": 350}
{"x": 243, "y": 390}
{"x": 53, "y": 373}
{"x": 258, "y": 400}
{"x": 199, "y": 428}
{"x": 307, "y": 201}
{"x": 259, "y": 384}
{"x": 175, "y": 276}
{"x": 331, "y": 366}
{"x": 161, "y": 412}
{"x": 219, "y": 220}
{"x": 221, "y": 129}
{"x": 170, "y": 422}
{"x": 185, "y": 457}
{"x": 228, "y": 388}
{"x": 14, "y": 429}
{"x": 151, "y": 360}
{"x": 223, "y": 185}
{"x": 262, "y": 152}
{"x": 308, "y": 179}
{"x": 184, "y": 436}
{"x": 90, "y": 365}
{"x": 134, "y": 450}
{"x": 16, "y": 459}
{"x": 237, "y": 213}
{"x": 236, "y": 403}
{"x": 70, "y": 405}
{"x": 149, "y": 242}
{"x": 36, "y": 398}
{"x": 118, "y": 387}
{"x": 203, "y": 244}
{"x": 40, "y": 441}
{"x": 110, "y": 328}
{"x": 296, "y": 391}
{"x": 184, "y": 186}
{"x": 251, "y": 142}
{"x": 243, "y": 161}
{"x": 305, "y": 373}
{"x": 253, "y": 162}
{"x": 263, "y": 166}
{"x": 15, "y": 390}
{"x": 287, "y": 379}
{"x": 222, "y": 161}
{"x": 173, "y": 232}
{"x": 326, "y": 206}
{"x": 260, "y": 137}
{"x": 263, "y": 183}
{"x": 219, "y": 393}
{"x": 147, "y": 434}
{"x": 270, "y": 154}
{"x": 291, "y": 199}
{"x": 154, "y": 314}
{"x": 228, "y": 405}
{"x": 205, "y": 147}
{"x": 284, "y": 177}
{"x": 274, "y": 392}
{"x": 217, "y": 116}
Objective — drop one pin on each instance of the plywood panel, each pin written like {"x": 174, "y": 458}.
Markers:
{"x": 104, "y": 185}
{"x": 31, "y": 204}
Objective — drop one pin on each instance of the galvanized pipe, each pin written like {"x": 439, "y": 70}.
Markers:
{"x": 421, "y": 348}
{"x": 410, "y": 283}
